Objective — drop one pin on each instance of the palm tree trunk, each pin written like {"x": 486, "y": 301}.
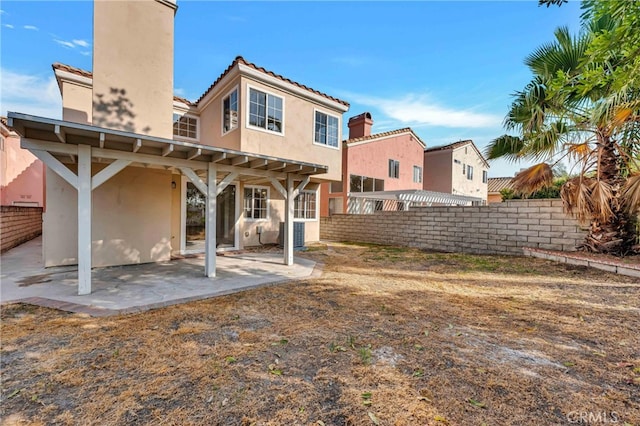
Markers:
{"x": 613, "y": 236}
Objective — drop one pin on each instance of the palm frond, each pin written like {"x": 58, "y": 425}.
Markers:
{"x": 576, "y": 198}
{"x": 505, "y": 146}
{"x": 533, "y": 179}
{"x": 630, "y": 194}
{"x": 601, "y": 200}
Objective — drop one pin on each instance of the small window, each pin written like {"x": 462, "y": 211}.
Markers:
{"x": 394, "y": 169}
{"x": 326, "y": 130}
{"x": 335, "y": 187}
{"x": 464, "y": 169}
{"x": 456, "y": 161}
{"x": 185, "y": 126}
{"x": 304, "y": 206}
{"x": 355, "y": 183}
{"x": 265, "y": 111}
{"x": 485, "y": 177}
{"x": 469, "y": 172}
{"x": 256, "y": 201}
{"x": 230, "y": 112}
{"x": 365, "y": 184}
{"x": 417, "y": 174}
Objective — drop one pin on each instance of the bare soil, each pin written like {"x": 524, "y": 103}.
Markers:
{"x": 386, "y": 336}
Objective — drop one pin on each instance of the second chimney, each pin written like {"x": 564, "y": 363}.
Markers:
{"x": 360, "y": 125}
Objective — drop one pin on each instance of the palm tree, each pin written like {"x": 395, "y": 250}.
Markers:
{"x": 598, "y": 130}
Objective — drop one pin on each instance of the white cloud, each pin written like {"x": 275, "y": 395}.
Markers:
{"x": 30, "y": 27}
{"x": 81, "y": 43}
{"x": 8, "y": 26}
{"x": 86, "y": 53}
{"x": 29, "y": 94}
{"x": 418, "y": 110}
{"x": 66, "y": 44}
{"x": 2, "y": 12}
{"x": 179, "y": 91}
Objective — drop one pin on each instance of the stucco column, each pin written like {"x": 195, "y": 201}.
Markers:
{"x": 288, "y": 222}
{"x": 84, "y": 219}
{"x": 210, "y": 223}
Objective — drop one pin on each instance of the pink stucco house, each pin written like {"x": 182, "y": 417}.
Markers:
{"x": 21, "y": 173}
{"x": 388, "y": 161}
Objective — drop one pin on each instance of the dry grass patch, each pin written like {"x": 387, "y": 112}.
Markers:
{"x": 386, "y": 336}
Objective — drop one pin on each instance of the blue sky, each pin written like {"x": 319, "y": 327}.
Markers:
{"x": 445, "y": 69}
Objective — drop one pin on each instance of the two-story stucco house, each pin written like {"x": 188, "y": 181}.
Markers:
{"x": 132, "y": 170}
{"x": 388, "y": 161}
{"x": 458, "y": 168}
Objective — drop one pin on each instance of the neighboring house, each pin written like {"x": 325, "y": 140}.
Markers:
{"x": 21, "y": 173}
{"x": 496, "y": 185}
{"x": 387, "y": 161}
{"x": 458, "y": 168}
{"x": 129, "y": 160}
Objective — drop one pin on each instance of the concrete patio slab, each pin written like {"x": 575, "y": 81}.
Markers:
{"x": 133, "y": 288}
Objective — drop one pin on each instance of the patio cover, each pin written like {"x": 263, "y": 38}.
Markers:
{"x": 419, "y": 196}
{"x": 209, "y": 168}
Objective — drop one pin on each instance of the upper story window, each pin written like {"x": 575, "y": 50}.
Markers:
{"x": 326, "y": 129}
{"x": 485, "y": 176}
{"x": 394, "y": 169}
{"x": 304, "y": 205}
{"x": 266, "y": 111}
{"x": 464, "y": 169}
{"x": 230, "y": 111}
{"x": 256, "y": 201}
{"x": 469, "y": 172}
{"x": 417, "y": 174}
{"x": 365, "y": 184}
{"x": 185, "y": 126}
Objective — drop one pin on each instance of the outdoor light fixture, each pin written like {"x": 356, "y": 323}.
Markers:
{"x": 173, "y": 184}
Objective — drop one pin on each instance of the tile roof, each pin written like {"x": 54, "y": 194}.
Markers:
{"x": 241, "y": 60}
{"x": 89, "y": 74}
{"x": 458, "y": 145}
{"x": 449, "y": 146}
{"x": 498, "y": 184}
{"x": 384, "y": 134}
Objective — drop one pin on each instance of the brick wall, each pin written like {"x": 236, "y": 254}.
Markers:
{"x": 18, "y": 225}
{"x": 494, "y": 229}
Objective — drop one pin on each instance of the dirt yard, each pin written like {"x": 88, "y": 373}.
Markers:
{"x": 387, "y": 336}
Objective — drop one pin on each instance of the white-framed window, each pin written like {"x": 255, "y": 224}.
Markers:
{"x": 305, "y": 205}
{"x": 417, "y": 174}
{"x": 359, "y": 183}
{"x": 326, "y": 129}
{"x": 266, "y": 111}
{"x": 469, "y": 172}
{"x": 394, "y": 169}
{"x": 230, "y": 111}
{"x": 485, "y": 176}
{"x": 256, "y": 202}
{"x": 185, "y": 126}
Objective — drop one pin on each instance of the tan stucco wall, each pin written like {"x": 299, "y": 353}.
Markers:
{"x": 437, "y": 171}
{"x": 131, "y": 219}
{"x": 494, "y": 198}
{"x": 176, "y": 208}
{"x": 211, "y": 119}
{"x": 133, "y": 66}
{"x": 462, "y": 185}
{"x": 77, "y": 103}
{"x": 21, "y": 175}
{"x": 297, "y": 141}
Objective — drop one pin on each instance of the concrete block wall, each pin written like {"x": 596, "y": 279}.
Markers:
{"x": 19, "y": 225}
{"x": 503, "y": 228}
